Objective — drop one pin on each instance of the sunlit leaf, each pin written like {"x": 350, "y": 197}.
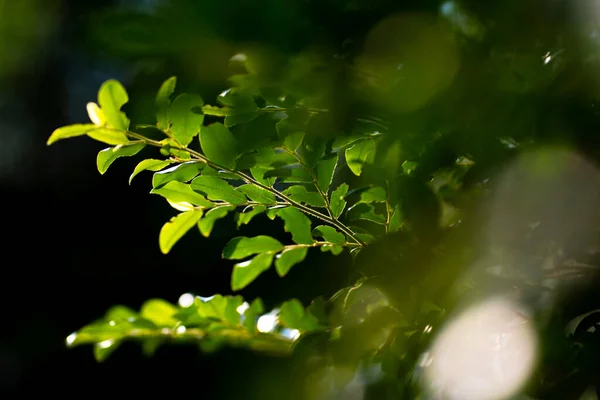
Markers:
{"x": 185, "y": 124}
{"x": 210, "y": 171}
{"x": 311, "y": 151}
{"x": 258, "y": 194}
{"x": 207, "y": 223}
{"x": 218, "y": 190}
{"x": 178, "y": 226}
{"x": 296, "y": 223}
{"x": 247, "y": 271}
{"x": 325, "y": 171}
{"x": 360, "y": 153}
{"x": 300, "y": 194}
{"x": 107, "y": 156}
{"x": 258, "y": 172}
{"x": 95, "y": 114}
{"x": 219, "y": 145}
{"x": 337, "y": 202}
{"x": 288, "y": 258}
{"x": 182, "y": 173}
{"x": 329, "y": 234}
{"x": 104, "y": 349}
{"x": 109, "y": 136}
{"x": 241, "y": 247}
{"x": 159, "y": 311}
{"x": 111, "y": 97}
{"x": 69, "y": 131}
{"x": 290, "y": 174}
{"x": 251, "y": 315}
{"x": 179, "y": 192}
{"x": 163, "y": 101}
{"x": 150, "y": 164}
{"x": 244, "y": 218}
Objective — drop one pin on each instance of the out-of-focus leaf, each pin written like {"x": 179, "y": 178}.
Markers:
{"x": 359, "y": 154}
{"x": 160, "y": 312}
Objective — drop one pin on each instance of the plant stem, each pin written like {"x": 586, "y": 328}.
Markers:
{"x": 248, "y": 179}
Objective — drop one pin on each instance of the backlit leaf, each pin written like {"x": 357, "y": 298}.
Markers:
{"x": 207, "y": 223}
{"x": 365, "y": 212}
{"x": 178, "y": 226}
{"x": 69, "y": 131}
{"x": 244, "y": 218}
{"x": 247, "y": 271}
{"x": 179, "y": 192}
{"x": 159, "y": 311}
{"x": 300, "y": 194}
{"x": 163, "y": 101}
{"x": 111, "y": 97}
{"x": 182, "y": 173}
{"x": 107, "y": 156}
{"x": 257, "y": 194}
{"x": 185, "y": 124}
{"x": 325, "y": 171}
{"x": 329, "y": 234}
{"x": 219, "y": 145}
{"x": 150, "y": 164}
{"x": 241, "y": 247}
{"x": 374, "y": 194}
{"x": 218, "y": 190}
{"x": 109, "y": 136}
{"x": 288, "y": 258}
{"x": 296, "y": 223}
{"x": 360, "y": 153}
{"x": 337, "y": 202}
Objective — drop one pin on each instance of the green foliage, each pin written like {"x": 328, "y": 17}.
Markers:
{"x": 209, "y": 322}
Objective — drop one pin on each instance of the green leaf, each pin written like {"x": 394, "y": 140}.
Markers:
{"x": 235, "y": 99}
{"x": 258, "y": 194}
{"x": 160, "y": 312}
{"x": 311, "y": 150}
{"x": 395, "y": 220}
{"x": 95, "y": 114}
{"x": 252, "y": 314}
{"x": 329, "y": 234}
{"x": 245, "y": 217}
{"x": 215, "y": 111}
{"x": 258, "y": 172}
{"x": 343, "y": 141}
{"x": 104, "y": 349}
{"x": 246, "y": 272}
{"x": 325, "y": 171}
{"x": 288, "y": 258}
{"x": 219, "y": 190}
{"x": 301, "y": 194}
{"x": 179, "y": 192}
{"x": 182, "y": 173}
{"x": 337, "y": 202}
{"x": 365, "y": 212}
{"x": 235, "y": 117}
{"x": 163, "y": 101}
{"x": 241, "y": 247}
{"x": 210, "y": 171}
{"x": 109, "y": 136}
{"x": 293, "y": 315}
{"x": 218, "y": 144}
{"x": 359, "y": 154}
{"x": 373, "y": 195}
{"x": 185, "y": 124}
{"x": 150, "y": 164}
{"x": 178, "y": 226}
{"x": 107, "y": 156}
{"x": 292, "y": 141}
{"x": 207, "y": 223}
{"x": 69, "y": 131}
{"x": 296, "y": 223}
{"x": 111, "y": 97}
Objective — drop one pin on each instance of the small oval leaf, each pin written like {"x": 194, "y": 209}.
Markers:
{"x": 178, "y": 226}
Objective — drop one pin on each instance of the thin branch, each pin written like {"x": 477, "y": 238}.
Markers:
{"x": 248, "y": 179}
